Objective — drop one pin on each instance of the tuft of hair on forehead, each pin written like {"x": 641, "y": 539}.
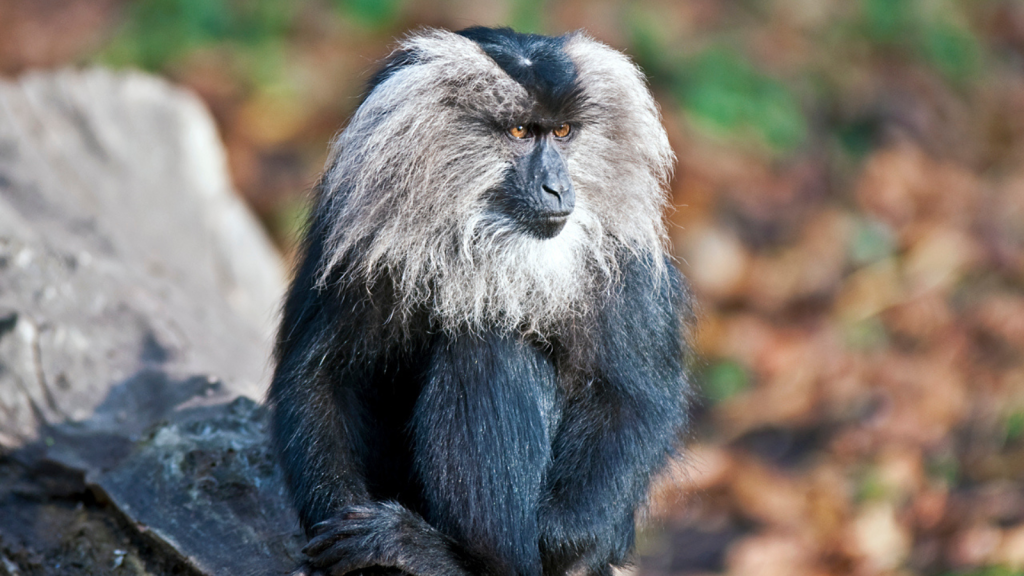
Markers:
{"x": 538, "y": 63}
{"x": 405, "y": 194}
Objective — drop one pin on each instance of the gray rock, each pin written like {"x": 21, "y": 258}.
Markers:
{"x": 208, "y": 486}
{"x": 137, "y": 301}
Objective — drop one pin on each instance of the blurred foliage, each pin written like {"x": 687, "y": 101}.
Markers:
{"x": 720, "y": 89}
{"x": 927, "y": 28}
{"x": 158, "y": 32}
{"x": 869, "y": 334}
{"x": 871, "y": 241}
{"x": 375, "y": 14}
{"x": 723, "y": 380}
{"x": 528, "y": 16}
{"x": 871, "y": 487}
{"x": 943, "y": 468}
{"x": 888, "y": 21}
{"x": 1014, "y": 426}
{"x": 723, "y": 92}
{"x": 988, "y": 571}
{"x": 290, "y": 219}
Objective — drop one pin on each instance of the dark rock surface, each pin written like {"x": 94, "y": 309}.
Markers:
{"x": 207, "y": 485}
{"x": 137, "y": 298}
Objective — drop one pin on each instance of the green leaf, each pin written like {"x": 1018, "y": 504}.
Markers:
{"x": 1014, "y": 426}
{"x": 943, "y": 467}
{"x": 372, "y": 14}
{"x": 954, "y": 51}
{"x": 725, "y": 379}
{"x": 725, "y": 94}
{"x": 888, "y": 21}
{"x": 872, "y": 241}
{"x": 869, "y": 334}
{"x": 157, "y": 32}
{"x": 858, "y": 138}
{"x": 870, "y": 487}
{"x": 988, "y": 571}
{"x": 528, "y": 16}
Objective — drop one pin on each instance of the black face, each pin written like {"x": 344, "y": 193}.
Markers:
{"x": 537, "y": 193}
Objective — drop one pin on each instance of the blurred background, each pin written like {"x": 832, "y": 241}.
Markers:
{"x": 848, "y": 203}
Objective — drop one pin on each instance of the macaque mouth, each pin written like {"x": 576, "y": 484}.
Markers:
{"x": 549, "y": 224}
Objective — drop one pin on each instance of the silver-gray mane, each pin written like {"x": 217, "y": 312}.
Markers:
{"x": 407, "y": 179}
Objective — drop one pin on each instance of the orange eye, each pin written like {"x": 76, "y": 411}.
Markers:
{"x": 562, "y": 131}
{"x": 518, "y": 132}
